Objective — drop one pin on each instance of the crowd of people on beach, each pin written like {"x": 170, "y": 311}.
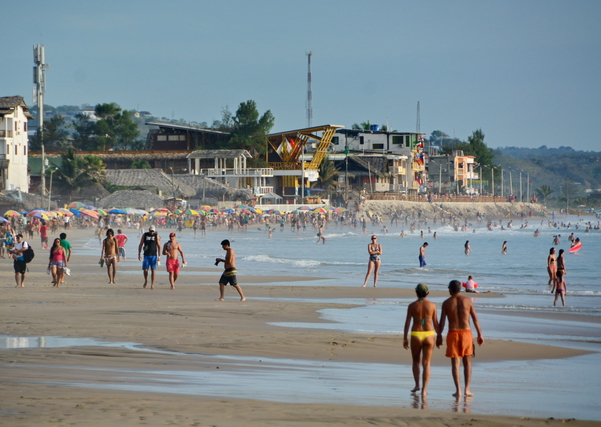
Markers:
{"x": 422, "y": 330}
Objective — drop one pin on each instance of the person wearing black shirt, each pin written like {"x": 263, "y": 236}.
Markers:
{"x": 151, "y": 243}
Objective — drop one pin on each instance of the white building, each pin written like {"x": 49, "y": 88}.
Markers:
{"x": 14, "y": 114}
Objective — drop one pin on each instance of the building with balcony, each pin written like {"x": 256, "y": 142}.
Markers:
{"x": 14, "y": 116}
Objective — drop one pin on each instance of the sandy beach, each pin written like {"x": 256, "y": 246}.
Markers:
{"x": 186, "y": 322}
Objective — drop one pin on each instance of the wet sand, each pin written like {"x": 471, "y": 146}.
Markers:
{"x": 188, "y": 320}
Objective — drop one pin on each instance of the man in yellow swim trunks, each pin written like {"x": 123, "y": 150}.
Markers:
{"x": 425, "y": 327}
{"x": 460, "y": 344}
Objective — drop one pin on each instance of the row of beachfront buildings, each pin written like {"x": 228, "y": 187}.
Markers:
{"x": 372, "y": 160}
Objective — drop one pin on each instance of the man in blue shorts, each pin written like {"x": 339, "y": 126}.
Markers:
{"x": 151, "y": 243}
{"x": 422, "y": 255}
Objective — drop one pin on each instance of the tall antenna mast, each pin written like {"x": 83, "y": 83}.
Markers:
{"x": 309, "y": 92}
{"x": 39, "y": 78}
{"x": 417, "y": 122}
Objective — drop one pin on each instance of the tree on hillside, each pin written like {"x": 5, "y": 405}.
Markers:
{"x": 54, "y": 135}
{"x": 475, "y": 146}
{"x": 84, "y": 133}
{"x": 544, "y": 191}
{"x": 249, "y": 131}
{"x": 115, "y": 129}
{"x": 77, "y": 172}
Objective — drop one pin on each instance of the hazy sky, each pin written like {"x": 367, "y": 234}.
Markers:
{"x": 527, "y": 72}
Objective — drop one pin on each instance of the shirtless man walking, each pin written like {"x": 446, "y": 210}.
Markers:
{"x": 460, "y": 343}
{"x": 110, "y": 255}
{"x": 171, "y": 249}
{"x": 229, "y": 275}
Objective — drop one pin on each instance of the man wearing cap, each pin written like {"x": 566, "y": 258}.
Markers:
{"x": 20, "y": 265}
{"x": 460, "y": 343}
{"x": 171, "y": 249}
{"x": 151, "y": 242}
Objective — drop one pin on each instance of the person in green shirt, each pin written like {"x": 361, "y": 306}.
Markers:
{"x": 68, "y": 249}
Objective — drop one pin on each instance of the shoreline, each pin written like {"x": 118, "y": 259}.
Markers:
{"x": 35, "y": 382}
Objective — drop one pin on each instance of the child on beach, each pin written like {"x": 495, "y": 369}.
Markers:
{"x": 560, "y": 288}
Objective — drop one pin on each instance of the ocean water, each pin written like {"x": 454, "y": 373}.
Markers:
{"x": 522, "y": 388}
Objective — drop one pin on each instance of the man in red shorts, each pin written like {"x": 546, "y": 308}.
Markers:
{"x": 171, "y": 249}
{"x": 460, "y": 344}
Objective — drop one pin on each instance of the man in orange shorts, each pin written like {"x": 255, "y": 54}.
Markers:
{"x": 171, "y": 249}
{"x": 460, "y": 344}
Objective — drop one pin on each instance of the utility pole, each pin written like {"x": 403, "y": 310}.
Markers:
{"x": 309, "y": 92}
{"x": 39, "y": 79}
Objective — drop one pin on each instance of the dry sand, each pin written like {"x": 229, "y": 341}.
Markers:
{"x": 189, "y": 320}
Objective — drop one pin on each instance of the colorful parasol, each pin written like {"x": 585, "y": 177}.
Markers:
{"x": 90, "y": 213}
{"x": 11, "y": 213}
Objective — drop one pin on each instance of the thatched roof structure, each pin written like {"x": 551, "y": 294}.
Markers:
{"x": 201, "y": 184}
{"x": 139, "y": 199}
{"x": 9, "y": 103}
{"x": 150, "y": 179}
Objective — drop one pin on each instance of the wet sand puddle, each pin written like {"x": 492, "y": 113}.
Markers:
{"x": 532, "y": 389}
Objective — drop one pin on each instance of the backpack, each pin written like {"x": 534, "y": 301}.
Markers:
{"x": 28, "y": 254}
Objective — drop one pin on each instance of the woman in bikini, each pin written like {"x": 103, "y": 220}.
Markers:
{"x": 57, "y": 262}
{"x": 375, "y": 250}
{"x": 551, "y": 266}
{"x": 560, "y": 288}
{"x": 423, "y": 335}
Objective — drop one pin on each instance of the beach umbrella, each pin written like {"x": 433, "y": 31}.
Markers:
{"x": 2, "y": 219}
{"x": 214, "y": 211}
{"x": 320, "y": 211}
{"x": 159, "y": 214}
{"x": 228, "y": 211}
{"x": 75, "y": 212}
{"x": 101, "y": 212}
{"x": 90, "y": 213}
{"x": 258, "y": 210}
{"x": 12, "y": 213}
{"x": 205, "y": 208}
{"x": 162, "y": 210}
{"x": 41, "y": 215}
{"x": 115, "y": 211}
{"x": 77, "y": 205}
{"x": 339, "y": 210}
{"x": 192, "y": 212}
{"x": 275, "y": 212}
{"x": 64, "y": 211}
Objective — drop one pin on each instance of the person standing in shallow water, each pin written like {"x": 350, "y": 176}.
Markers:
{"x": 458, "y": 310}
{"x": 375, "y": 250}
{"x": 229, "y": 275}
{"x": 551, "y": 266}
{"x": 423, "y": 331}
{"x": 422, "y": 254}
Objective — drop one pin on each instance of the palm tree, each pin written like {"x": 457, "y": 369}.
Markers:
{"x": 544, "y": 191}
{"x": 76, "y": 173}
{"x": 328, "y": 176}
